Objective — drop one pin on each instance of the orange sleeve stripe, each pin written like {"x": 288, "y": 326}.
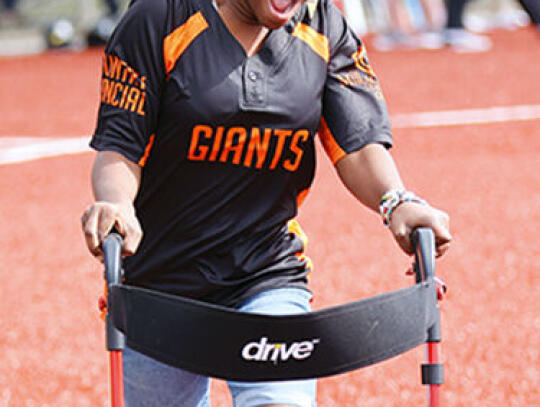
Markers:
{"x": 332, "y": 148}
{"x": 309, "y": 263}
{"x": 176, "y": 42}
{"x": 142, "y": 161}
{"x": 301, "y": 196}
{"x": 294, "y": 227}
{"x": 317, "y": 42}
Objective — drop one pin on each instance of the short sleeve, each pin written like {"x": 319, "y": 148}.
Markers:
{"x": 133, "y": 74}
{"x": 354, "y": 110}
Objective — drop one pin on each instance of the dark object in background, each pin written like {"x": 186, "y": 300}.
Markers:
{"x": 10, "y": 4}
{"x": 105, "y": 26}
{"x": 532, "y": 7}
{"x": 113, "y": 7}
{"x": 101, "y": 32}
{"x": 9, "y": 15}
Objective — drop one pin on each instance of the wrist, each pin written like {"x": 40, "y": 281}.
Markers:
{"x": 121, "y": 206}
{"x": 393, "y": 198}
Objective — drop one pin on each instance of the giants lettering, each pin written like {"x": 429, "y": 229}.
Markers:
{"x": 253, "y": 144}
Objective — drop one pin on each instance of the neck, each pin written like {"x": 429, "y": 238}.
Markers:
{"x": 242, "y": 24}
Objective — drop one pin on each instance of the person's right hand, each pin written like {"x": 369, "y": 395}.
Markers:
{"x": 99, "y": 219}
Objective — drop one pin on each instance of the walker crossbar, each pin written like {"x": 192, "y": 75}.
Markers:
{"x": 228, "y": 344}
{"x": 225, "y": 343}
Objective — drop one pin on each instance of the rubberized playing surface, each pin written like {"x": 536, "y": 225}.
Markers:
{"x": 485, "y": 175}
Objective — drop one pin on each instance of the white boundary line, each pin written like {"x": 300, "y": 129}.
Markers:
{"x": 464, "y": 117}
{"x": 20, "y": 149}
{"x": 45, "y": 148}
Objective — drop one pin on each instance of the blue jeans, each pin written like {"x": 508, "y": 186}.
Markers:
{"x": 149, "y": 383}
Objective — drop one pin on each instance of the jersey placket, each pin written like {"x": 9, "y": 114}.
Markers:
{"x": 256, "y": 71}
{"x": 254, "y": 82}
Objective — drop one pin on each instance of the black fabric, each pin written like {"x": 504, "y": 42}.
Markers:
{"x": 226, "y": 142}
{"x": 212, "y": 340}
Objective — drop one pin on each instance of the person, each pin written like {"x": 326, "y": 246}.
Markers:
{"x": 411, "y": 24}
{"x": 455, "y": 34}
{"x": 205, "y": 141}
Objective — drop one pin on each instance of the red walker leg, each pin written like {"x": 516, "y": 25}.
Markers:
{"x": 117, "y": 381}
{"x": 424, "y": 269}
{"x": 433, "y": 371}
{"x": 434, "y": 389}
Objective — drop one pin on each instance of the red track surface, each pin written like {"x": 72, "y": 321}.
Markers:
{"x": 485, "y": 176}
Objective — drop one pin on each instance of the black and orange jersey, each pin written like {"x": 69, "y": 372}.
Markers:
{"x": 226, "y": 141}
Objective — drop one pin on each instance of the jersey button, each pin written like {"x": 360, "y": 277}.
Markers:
{"x": 253, "y": 76}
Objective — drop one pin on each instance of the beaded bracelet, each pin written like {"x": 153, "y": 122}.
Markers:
{"x": 392, "y": 199}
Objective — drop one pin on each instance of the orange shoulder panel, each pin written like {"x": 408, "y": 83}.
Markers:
{"x": 176, "y": 42}
{"x": 317, "y": 42}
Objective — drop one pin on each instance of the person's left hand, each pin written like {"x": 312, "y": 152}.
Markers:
{"x": 410, "y": 215}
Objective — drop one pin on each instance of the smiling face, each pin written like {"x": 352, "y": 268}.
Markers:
{"x": 271, "y": 13}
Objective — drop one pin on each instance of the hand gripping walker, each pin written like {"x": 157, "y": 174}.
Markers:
{"x": 221, "y": 342}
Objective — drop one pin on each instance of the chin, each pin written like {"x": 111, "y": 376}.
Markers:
{"x": 274, "y": 24}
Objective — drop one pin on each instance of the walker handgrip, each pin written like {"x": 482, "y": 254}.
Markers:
{"x": 112, "y": 256}
{"x": 423, "y": 242}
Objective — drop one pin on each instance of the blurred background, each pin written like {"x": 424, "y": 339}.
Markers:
{"x": 31, "y": 26}
{"x": 461, "y": 80}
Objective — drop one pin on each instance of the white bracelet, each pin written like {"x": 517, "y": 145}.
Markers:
{"x": 392, "y": 199}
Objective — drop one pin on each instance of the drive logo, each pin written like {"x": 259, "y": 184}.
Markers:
{"x": 263, "y": 351}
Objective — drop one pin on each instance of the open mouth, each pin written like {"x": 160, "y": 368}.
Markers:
{"x": 283, "y": 6}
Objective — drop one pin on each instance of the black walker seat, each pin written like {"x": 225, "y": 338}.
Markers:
{"x": 221, "y": 342}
